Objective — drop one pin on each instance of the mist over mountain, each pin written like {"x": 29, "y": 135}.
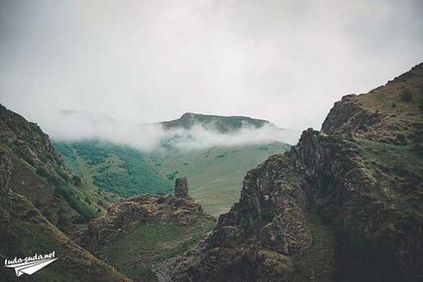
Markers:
{"x": 344, "y": 204}
{"x": 190, "y": 131}
{"x": 230, "y": 141}
{"x": 214, "y": 152}
{"x": 222, "y": 124}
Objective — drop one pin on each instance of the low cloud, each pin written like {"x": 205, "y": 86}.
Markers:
{"x": 199, "y": 137}
{"x": 147, "y": 137}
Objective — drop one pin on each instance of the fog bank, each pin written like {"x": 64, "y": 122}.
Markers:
{"x": 147, "y": 137}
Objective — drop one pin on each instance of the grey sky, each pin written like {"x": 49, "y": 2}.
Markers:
{"x": 148, "y": 61}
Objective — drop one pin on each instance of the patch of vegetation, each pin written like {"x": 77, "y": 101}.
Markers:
{"x": 224, "y": 154}
{"x": 318, "y": 263}
{"x": 68, "y": 155}
{"x": 82, "y": 207}
{"x": 398, "y": 160}
{"x": 172, "y": 175}
{"x": 406, "y": 96}
{"x": 113, "y": 168}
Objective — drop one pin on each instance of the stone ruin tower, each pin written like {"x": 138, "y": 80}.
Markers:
{"x": 181, "y": 187}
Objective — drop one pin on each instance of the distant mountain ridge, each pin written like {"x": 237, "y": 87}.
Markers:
{"x": 222, "y": 124}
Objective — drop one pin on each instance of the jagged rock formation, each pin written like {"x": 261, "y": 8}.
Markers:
{"x": 127, "y": 222}
{"x": 123, "y": 217}
{"x": 181, "y": 187}
{"x": 255, "y": 240}
{"x": 343, "y": 205}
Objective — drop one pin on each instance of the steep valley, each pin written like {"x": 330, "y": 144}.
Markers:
{"x": 344, "y": 204}
{"x": 215, "y": 173}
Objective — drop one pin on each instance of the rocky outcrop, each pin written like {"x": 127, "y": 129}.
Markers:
{"x": 256, "y": 239}
{"x": 124, "y": 216}
{"x": 181, "y": 187}
{"x": 360, "y": 178}
{"x": 348, "y": 116}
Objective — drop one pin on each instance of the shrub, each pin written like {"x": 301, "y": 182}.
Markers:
{"x": 73, "y": 200}
{"x": 41, "y": 171}
{"x": 76, "y": 180}
{"x": 87, "y": 200}
{"x": 406, "y": 96}
{"x": 52, "y": 179}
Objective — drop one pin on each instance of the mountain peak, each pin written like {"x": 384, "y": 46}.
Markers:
{"x": 223, "y": 124}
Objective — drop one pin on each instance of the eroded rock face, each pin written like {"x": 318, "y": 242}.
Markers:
{"x": 348, "y": 115}
{"x": 126, "y": 215}
{"x": 265, "y": 227}
{"x": 360, "y": 176}
{"x": 181, "y": 187}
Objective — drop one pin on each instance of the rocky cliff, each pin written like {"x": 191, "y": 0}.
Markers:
{"x": 343, "y": 205}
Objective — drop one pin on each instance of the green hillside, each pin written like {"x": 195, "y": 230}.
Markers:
{"x": 113, "y": 168}
{"x": 40, "y": 175}
{"x": 215, "y": 174}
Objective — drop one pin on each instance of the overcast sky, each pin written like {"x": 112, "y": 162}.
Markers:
{"x": 148, "y": 61}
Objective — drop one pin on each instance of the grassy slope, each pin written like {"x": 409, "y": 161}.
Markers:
{"x": 143, "y": 252}
{"x": 63, "y": 204}
{"x": 214, "y": 175}
{"x": 39, "y": 174}
{"x": 113, "y": 168}
{"x": 24, "y": 232}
